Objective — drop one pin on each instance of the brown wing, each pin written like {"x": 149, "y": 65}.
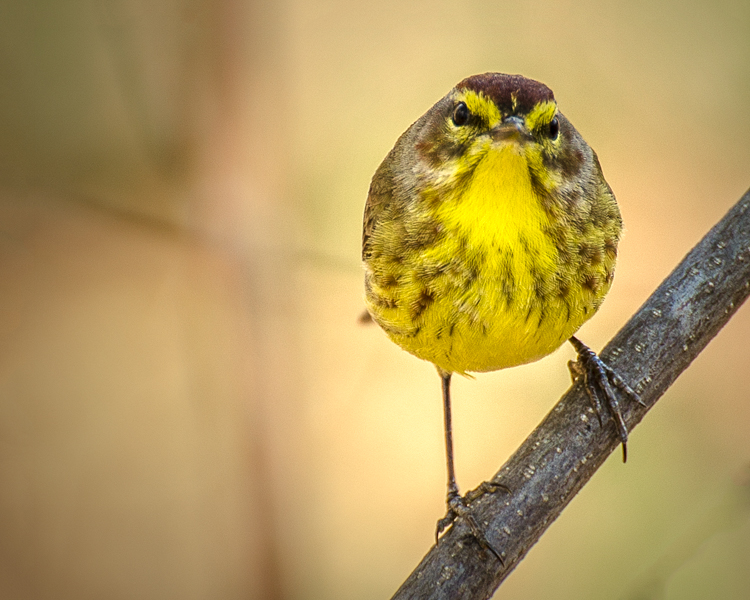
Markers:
{"x": 379, "y": 198}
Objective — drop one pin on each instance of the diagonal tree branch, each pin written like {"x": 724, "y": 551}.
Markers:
{"x": 565, "y": 450}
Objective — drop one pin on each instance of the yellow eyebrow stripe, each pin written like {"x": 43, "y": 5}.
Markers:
{"x": 483, "y": 107}
{"x": 542, "y": 113}
{"x": 487, "y": 110}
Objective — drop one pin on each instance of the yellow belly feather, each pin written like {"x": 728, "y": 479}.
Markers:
{"x": 491, "y": 292}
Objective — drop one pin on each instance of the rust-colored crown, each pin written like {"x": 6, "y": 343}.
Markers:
{"x": 503, "y": 89}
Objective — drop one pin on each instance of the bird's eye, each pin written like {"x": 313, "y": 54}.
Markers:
{"x": 553, "y": 129}
{"x": 461, "y": 114}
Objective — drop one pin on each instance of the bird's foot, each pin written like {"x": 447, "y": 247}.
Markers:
{"x": 599, "y": 379}
{"x": 459, "y": 507}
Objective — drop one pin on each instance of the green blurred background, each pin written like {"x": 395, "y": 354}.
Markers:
{"x": 188, "y": 406}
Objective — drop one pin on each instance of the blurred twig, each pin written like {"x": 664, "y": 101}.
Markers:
{"x": 561, "y": 455}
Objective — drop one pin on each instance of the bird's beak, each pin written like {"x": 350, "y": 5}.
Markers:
{"x": 511, "y": 128}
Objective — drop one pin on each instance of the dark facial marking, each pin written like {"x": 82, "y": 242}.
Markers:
{"x": 568, "y": 163}
{"x": 440, "y": 150}
{"x": 539, "y": 188}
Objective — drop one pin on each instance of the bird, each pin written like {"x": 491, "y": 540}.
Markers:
{"x": 489, "y": 238}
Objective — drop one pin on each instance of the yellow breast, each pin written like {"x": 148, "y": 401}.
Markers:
{"x": 494, "y": 288}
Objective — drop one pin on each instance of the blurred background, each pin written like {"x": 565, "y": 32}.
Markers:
{"x": 188, "y": 406}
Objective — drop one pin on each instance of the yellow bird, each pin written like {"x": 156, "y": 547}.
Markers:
{"x": 490, "y": 236}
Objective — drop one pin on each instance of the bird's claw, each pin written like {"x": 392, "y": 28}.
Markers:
{"x": 598, "y": 379}
{"x": 486, "y": 487}
{"x": 460, "y": 507}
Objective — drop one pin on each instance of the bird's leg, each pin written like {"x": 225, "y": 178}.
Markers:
{"x": 457, "y": 505}
{"x": 453, "y": 497}
{"x": 598, "y": 379}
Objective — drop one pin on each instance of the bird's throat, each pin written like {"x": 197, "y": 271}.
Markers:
{"x": 499, "y": 209}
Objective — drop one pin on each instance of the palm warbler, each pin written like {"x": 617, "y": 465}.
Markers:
{"x": 490, "y": 236}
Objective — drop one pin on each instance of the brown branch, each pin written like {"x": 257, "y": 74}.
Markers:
{"x": 565, "y": 450}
